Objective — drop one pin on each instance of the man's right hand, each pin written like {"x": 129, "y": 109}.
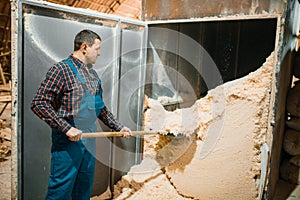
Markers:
{"x": 74, "y": 134}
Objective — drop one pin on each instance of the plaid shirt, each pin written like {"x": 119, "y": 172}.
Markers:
{"x": 59, "y": 95}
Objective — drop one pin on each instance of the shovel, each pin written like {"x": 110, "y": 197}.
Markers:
{"x": 120, "y": 134}
{"x": 115, "y": 134}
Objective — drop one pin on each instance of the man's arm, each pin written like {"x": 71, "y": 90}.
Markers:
{"x": 42, "y": 103}
{"x": 109, "y": 119}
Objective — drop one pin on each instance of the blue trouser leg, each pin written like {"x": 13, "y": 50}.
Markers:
{"x": 85, "y": 178}
{"x": 68, "y": 167}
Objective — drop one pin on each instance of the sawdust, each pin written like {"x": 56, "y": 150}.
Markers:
{"x": 219, "y": 155}
{"x": 145, "y": 181}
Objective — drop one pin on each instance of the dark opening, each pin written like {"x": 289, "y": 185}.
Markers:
{"x": 237, "y": 47}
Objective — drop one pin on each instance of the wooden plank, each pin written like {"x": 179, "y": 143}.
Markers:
{"x": 5, "y": 54}
{"x": 5, "y": 88}
{"x": 7, "y": 143}
{"x": 5, "y": 134}
{"x": 5, "y": 99}
{"x": 2, "y": 75}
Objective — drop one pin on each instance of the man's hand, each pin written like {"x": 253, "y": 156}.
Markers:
{"x": 74, "y": 134}
{"x": 127, "y": 132}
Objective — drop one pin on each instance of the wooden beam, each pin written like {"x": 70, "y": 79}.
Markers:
{"x": 5, "y": 54}
{"x": 57, "y": 2}
{"x": 2, "y": 75}
{"x": 5, "y": 99}
{"x": 4, "y": 15}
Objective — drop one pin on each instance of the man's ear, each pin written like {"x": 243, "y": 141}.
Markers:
{"x": 83, "y": 48}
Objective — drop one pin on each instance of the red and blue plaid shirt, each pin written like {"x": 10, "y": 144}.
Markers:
{"x": 58, "y": 98}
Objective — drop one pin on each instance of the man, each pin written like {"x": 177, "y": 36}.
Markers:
{"x": 69, "y": 99}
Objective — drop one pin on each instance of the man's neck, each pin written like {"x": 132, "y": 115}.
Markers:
{"x": 79, "y": 55}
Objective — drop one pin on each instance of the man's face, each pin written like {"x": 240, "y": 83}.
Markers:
{"x": 93, "y": 52}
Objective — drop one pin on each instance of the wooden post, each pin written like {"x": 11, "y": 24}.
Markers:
{"x": 2, "y": 75}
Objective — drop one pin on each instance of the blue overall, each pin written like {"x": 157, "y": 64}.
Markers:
{"x": 72, "y": 163}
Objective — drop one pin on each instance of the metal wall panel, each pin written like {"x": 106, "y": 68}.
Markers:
{"x": 47, "y": 34}
{"x": 127, "y": 152}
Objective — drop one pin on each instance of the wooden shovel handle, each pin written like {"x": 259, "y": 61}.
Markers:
{"x": 115, "y": 134}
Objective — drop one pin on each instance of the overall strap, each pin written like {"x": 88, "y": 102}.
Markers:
{"x": 79, "y": 76}
{"x": 75, "y": 72}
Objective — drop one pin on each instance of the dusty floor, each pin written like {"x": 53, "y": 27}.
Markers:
{"x": 5, "y": 178}
{"x": 5, "y": 169}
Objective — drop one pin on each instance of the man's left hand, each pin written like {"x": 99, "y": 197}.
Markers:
{"x": 126, "y": 132}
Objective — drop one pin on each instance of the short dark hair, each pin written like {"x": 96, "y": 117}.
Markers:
{"x": 86, "y": 36}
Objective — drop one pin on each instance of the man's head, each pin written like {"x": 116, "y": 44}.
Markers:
{"x": 88, "y": 44}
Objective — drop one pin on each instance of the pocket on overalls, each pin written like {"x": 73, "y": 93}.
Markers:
{"x": 96, "y": 104}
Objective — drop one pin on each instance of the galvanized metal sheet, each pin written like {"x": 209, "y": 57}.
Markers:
{"x": 131, "y": 92}
{"x": 48, "y": 40}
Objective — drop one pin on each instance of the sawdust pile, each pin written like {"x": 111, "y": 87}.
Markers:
{"x": 219, "y": 155}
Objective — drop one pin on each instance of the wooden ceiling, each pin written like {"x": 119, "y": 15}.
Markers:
{"x": 127, "y": 8}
